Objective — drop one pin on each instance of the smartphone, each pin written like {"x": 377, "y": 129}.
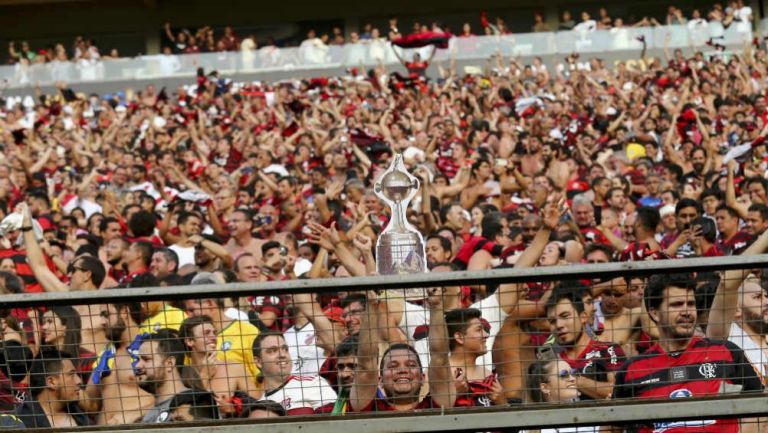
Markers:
{"x": 501, "y": 162}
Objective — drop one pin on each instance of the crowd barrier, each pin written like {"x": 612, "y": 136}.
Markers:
{"x": 538, "y": 416}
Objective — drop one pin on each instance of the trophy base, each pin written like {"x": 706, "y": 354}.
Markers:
{"x": 415, "y": 294}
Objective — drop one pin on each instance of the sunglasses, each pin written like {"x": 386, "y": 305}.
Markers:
{"x": 71, "y": 269}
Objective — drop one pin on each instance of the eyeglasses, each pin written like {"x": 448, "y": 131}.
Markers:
{"x": 71, "y": 269}
{"x": 352, "y": 312}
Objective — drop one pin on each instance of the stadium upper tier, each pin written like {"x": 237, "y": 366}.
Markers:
{"x": 281, "y": 63}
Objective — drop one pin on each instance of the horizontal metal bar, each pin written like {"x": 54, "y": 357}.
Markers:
{"x": 384, "y": 282}
{"x": 539, "y": 417}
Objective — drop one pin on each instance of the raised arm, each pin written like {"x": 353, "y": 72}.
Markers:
{"x": 726, "y": 298}
{"x": 367, "y": 371}
{"x": 442, "y": 387}
{"x": 508, "y": 293}
{"x": 35, "y": 255}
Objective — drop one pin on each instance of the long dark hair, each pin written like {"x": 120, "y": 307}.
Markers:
{"x": 70, "y": 319}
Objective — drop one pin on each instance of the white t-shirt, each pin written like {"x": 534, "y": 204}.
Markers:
{"x": 186, "y": 254}
{"x": 752, "y": 350}
{"x": 415, "y": 316}
{"x": 308, "y": 392}
{"x": 697, "y": 24}
{"x": 495, "y": 315}
{"x": 744, "y": 17}
{"x": 586, "y": 26}
{"x": 302, "y": 344}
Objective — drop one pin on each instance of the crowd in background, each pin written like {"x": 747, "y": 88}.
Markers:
{"x": 519, "y": 166}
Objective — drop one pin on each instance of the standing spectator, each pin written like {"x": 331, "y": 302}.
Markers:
{"x": 566, "y": 22}
{"x": 586, "y": 25}
{"x": 675, "y": 16}
{"x": 229, "y": 40}
{"x": 539, "y": 25}
{"x": 688, "y": 365}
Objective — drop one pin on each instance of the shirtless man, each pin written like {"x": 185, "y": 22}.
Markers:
{"x": 221, "y": 378}
{"x": 624, "y": 320}
{"x": 241, "y": 230}
{"x": 739, "y": 313}
{"x": 112, "y": 390}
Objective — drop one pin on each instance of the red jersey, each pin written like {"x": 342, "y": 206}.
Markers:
{"x": 592, "y": 234}
{"x": 704, "y": 368}
{"x": 736, "y": 244}
{"x": 596, "y": 360}
{"x": 479, "y": 394}
{"x": 381, "y": 405}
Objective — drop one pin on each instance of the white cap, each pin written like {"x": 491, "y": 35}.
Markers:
{"x": 666, "y": 210}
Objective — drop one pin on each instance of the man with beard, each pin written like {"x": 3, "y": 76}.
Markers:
{"x": 115, "y": 250}
{"x": 616, "y": 199}
{"x": 346, "y": 364}
{"x": 594, "y": 361}
{"x": 698, "y": 160}
{"x": 112, "y": 389}
{"x": 475, "y": 384}
{"x": 137, "y": 259}
{"x": 299, "y": 395}
{"x": 438, "y": 250}
{"x": 739, "y": 312}
{"x": 682, "y": 365}
{"x": 158, "y": 372}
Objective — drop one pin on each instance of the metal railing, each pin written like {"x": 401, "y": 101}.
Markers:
{"x": 476, "y": 419}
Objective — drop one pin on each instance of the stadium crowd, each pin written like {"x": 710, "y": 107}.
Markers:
{"x": 206, "y": 39}
{"x": 519, "y": 166}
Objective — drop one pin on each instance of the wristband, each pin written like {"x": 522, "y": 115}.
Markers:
{"x": 237, "y": 402}
{"x": 26, "y": 229}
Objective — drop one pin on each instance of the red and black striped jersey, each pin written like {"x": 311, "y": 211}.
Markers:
{"x": 705, "y": 368}
{"x": 736, "y": 244}
{"x": 596, "y": 360}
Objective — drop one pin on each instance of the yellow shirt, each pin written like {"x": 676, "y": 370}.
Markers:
{"x": 168, "y": 318}
{"x": 235, "y": 343}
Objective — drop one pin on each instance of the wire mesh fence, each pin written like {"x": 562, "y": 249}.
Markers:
{"x": 577, "y": 340}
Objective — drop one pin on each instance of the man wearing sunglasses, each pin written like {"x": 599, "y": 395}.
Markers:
{"x": 84, "y": 273}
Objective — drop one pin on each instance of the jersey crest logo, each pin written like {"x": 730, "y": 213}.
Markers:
{"x": 708, "y": 370}
{"x": 226, "y": 346}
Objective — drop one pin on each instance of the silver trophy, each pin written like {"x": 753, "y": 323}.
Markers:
{"x": 400, "y": 247}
